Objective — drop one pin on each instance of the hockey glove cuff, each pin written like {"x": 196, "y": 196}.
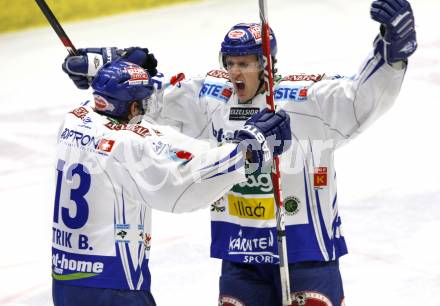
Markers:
{"x": 265, "y": 134}
{"x": 83, "y": 67}
{"x": 397, "y": 38}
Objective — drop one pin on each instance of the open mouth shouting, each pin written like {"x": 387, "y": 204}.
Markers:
{"x": 244, "y": 72}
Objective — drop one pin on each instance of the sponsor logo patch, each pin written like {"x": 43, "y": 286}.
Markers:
{"x": 86, "y": 142}
{"x": 297, "y": 94}
{"x": 255, "y": 29}
{"x": 236, "y": 34}
{"x": 303, "y": 77}
{"x": 219, "y": 74}
{"x": 256, "y": 248}
{"x": 121, "y": 231}
{"x": 251, "y": 208}
{"x": 80, "y": 112}
{"x": 137, "y": 75}
{"x": 242, "y": 113}
{"x": 101, "y": 104}
{"x": 135, "y": 128}
{"x": 61, "y": 263}
{"x": 291, "y": 205}
{"x": 320, "y": 177}
{"x": 217, "y": 91}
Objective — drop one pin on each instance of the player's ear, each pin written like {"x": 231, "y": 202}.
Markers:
{"x": 134, "y": 110}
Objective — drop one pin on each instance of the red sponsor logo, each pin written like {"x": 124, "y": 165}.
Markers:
{"x": 235, "y": 34}
{"x": 320, "y": 177}
{"x": 226, "y": 92}
{"x": 106, "y": 145}
{"x": 135, "y": 128}
{"x": 184, "y": 155}
{"x": 256, "y": 31}
{"x": 219, "y": 74}
{"x": 80, "y": 112}
{"x": 303, "y": 92}
{"x": 137, "y": 74}
{"x": 177, "y": 78}
{"x": 101, "y": 104}
{"x": 303, "y": 77}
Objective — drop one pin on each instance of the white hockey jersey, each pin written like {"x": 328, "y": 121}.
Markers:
{"x": 325, "y": 111}
{"x": 108, "y": 178}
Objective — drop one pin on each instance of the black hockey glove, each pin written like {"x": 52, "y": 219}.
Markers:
{"x": 397, "y": 38}
{"x": 141, "y": 57}
{"x": 265, "y": 134}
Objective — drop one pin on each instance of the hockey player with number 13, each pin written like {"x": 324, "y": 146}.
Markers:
{"x": 113, "y": 168}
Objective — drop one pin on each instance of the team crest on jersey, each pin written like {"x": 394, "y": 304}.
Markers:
{"x": 229, "y": 301}
{"x": 121, "y": 231}
{"x": 310, "y": 298}
{"x": 291, "y": 205}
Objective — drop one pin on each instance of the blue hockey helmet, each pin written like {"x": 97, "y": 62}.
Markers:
{"x": 117, "y": 84}
{"x": 245, "y": 39}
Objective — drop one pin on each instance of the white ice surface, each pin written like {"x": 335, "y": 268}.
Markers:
{"x": 389, "y": 186}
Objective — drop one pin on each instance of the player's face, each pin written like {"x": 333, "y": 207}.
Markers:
{"x": 244, "y": 72}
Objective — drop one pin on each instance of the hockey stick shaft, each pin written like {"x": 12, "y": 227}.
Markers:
{"x": 56, "y": 26}
{"x": 276, "y": 175}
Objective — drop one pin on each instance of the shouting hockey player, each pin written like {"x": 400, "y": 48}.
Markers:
{"x": 113, "y": 169}
{"x": 326, "y": 111}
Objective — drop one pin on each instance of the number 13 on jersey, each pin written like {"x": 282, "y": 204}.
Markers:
{"x": 75, "y": 213}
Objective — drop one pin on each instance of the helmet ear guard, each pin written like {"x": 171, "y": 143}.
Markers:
{"x": 117, "y": 84}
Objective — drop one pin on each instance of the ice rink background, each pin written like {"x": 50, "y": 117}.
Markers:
{"x": 389, "y": 186}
